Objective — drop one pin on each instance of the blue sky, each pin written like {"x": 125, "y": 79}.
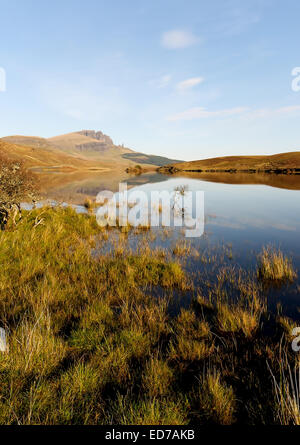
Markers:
{"x": 187, "y": 79}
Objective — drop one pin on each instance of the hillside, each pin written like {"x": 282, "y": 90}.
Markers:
{"x": 29, "y": 141}
{"x": 89, "y": 144}
{"x": 283, "y": 162}
{"x": 39, "y": 158}
{"x": 92, "y": 146}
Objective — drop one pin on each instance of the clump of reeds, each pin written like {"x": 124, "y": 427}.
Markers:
{"x": 287, "y": 392}
{"x": 275, "y": 266}
{"x": 287, "y": 325}
{"x": 128, "y": 411}
{"x": 217, "y": 401}
{"x": 158, "y": 377}
{"x": 190, "y": 350}
{"x": 235, "y": 319}
{"x": 182, "y": 248}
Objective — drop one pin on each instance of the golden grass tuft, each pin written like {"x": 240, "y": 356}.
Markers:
{"x": 287, "y": 390}
{"x": 287, "y": 325}
{"x": 33, "y": 348}
{"x": 150, "y": 412}
{"x": 80, "y": 389}
{"x": 275, "y": 266}
{"x": 236, "y": 319}
{"x": 157, "y": 377}
{"x": 182, "y": 248}
{"x": 190, "y": 326}
{"x": 190, "y": 350}
{"x": 216, "y": 400}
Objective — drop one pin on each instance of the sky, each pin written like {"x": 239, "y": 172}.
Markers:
{"x": 187, "y": 79}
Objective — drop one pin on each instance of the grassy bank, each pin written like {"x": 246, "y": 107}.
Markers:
{"x": 91, "y": 343}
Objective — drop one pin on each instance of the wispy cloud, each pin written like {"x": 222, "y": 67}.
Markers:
{"x": 189, "y": 83}
{"x": 239, "y": 19}
{"x": 269, "y": 112}
{"x": 161, "y": 82}
{"x": 164, "y": 81}
{"x": 178, "y": 39}
{"x": 200, "y": 113}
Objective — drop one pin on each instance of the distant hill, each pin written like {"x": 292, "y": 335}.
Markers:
{"x": 92, "y": 146}
{"x": 283, "y": 162}
{"x": 29, "y": 141}
{"x": 141, "y": 158}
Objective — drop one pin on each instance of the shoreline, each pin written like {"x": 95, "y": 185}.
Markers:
{"x": 283, "y": 171}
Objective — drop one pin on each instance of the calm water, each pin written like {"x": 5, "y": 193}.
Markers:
{"x": 243, "y": 213}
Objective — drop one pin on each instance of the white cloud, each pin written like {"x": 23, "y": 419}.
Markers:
{"x": 200, "y": 113}
{"x": 189, "y": 83}
{"x": 178, "y": 39}
{"x": 270, "y": 112}
{"x": 290, "y": 109}
{"x": 162, "y": 82}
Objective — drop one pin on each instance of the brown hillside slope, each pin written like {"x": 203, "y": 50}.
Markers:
{"x": 34, "y": 157}
{"x": 89, "y": 146}
{"x": 278, "y": 162}
{"x": 96, "y": 145}
{"x": 75, "y": 144}
{"x": 30, "y": 141}
{"x": 39, "y": 152}
{"x": 93, "y": 146}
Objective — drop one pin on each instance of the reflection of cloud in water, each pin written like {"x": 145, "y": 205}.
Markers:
{"x": 228, "y": 224}
{"x": 244, "y": 223}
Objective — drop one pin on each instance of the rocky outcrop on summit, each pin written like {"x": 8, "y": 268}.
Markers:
{"x": 101, "y": 137}
{"x": 102, "y": 142}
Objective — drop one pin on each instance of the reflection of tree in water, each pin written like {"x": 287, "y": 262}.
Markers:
{"x": 178, "y": 200}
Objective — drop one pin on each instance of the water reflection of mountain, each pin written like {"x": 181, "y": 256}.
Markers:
{"x": 76, "y": 186}
{"x": 284, "y": 181}
{"x": 146, "y": 178}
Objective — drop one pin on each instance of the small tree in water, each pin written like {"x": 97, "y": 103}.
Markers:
{"x": 16, "y": 185}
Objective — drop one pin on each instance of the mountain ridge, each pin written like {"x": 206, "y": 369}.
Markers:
{"x": 90, "y": 145}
